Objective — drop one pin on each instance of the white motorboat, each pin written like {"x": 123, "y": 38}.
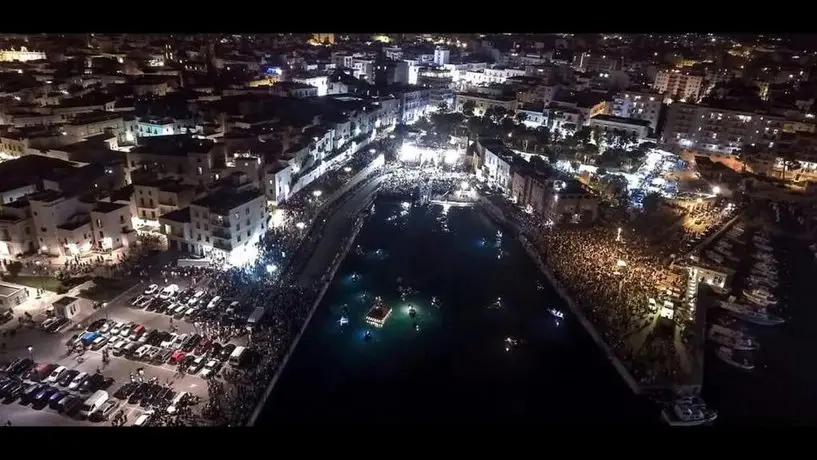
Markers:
{"x": 728, "y": 356}
{"x": 760, "y": 296}
{"x": 684, "y": 413}
{"x": 732, "y": 338}
{"x": 753, "y": 315}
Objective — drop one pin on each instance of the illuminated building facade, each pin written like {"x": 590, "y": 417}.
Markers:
{"x": 22, "y": 55}
{"x": 674, "y": 83}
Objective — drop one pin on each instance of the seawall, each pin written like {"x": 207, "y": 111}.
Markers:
{"x": 334, "y": 268}
{"x": 497, "y": 215}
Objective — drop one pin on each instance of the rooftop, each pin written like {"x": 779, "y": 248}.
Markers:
{"x": 106, "y": 207}
{"x": 223, "y": 201}
{"x": 176, "y": 144}
{"x": 623, "y": 120}
{"x": 8, "y": 290}
{"x": 181, "y": 216}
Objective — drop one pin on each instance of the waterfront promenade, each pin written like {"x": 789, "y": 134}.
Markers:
{"x": 338, "y": 235}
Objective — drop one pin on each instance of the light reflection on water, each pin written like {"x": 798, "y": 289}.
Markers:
{"x": 452, "y": 352}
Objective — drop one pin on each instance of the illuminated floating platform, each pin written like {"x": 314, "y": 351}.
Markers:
{"x": 378, "y": 315}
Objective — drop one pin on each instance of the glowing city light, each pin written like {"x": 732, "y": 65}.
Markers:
{"x": 300, "y": 225}
{"x": 317, "y": 193}
{"x": 272, "y": 268}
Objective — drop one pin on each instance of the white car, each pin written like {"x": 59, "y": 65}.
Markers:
{"x": 117, "y": 329}
{"x": 143, "y": 419}
{"x": 99, "y": 342}
{"x": 195, "y": 299}
{"x": 169, "y": 291}
{"x": 167, "y": 343}
{"x": 178, "y": 341}
{"x": 214, "y": 302}
{"x": 117, "y": 347}
{"x": 142, "y": 351}
{"x": 107, "y": 326}
{"x": 56, "y": 374}
{"x": 210, "y": 369}
{"x": 78, "y": 380}
{"x": 152, "y": 289}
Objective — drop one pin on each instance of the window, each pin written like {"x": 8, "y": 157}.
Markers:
{"x": 101, "y": 235}
{"x": 206, "y": 239}
{"x": 248, "y": 222}
{"x": 247, "y": 211}
{"x": 125, "y": 229}
{"x": 142, "y": 202}
{"x": 198, "y": 226}
{"x": 237, "y": 216}
{"x": 239, "y": 238}
{"x": 248, "y": 233}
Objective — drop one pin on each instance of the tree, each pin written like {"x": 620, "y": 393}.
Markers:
{"x": 468, "y": 108}
{"x": 14, "y": 268}
{"x": 423, "y": 124}
{"x": 496, "y": 114}
{"x": 442, "y": 107}
{"x": 747, "y": 153}
{"x": 582, "y": 135}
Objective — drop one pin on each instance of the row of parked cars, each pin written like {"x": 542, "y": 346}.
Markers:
{"x": 189, "y": 304}
{"x": 55, "y": 324}
{"x": 154, "y": 396}
{"x": 194, "y": 353}
{"x": 65, "y": 390}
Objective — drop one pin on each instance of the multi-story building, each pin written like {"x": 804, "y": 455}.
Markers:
{"x": 556, "y": 201}
{"x": 491, "y": 75}
{"x": 484, "y": 102}
{"x": 22, "y": 55}
{"x": 153, "y": 198}
{"x": 595, "y": 62}
{"x": 441, "y": 56}
{"x": 294, "y": 89}
{"x": 496, "y": 161}
{"x": 17, "y": 235}
{"x": 180, "y": 156}
{"x": 94, "y": 123}
{"x": 676, "y": 83}
{"x": 630, "y": 126}
{"x": 112, "y": 225}
{"x": 318, "y": 80}
{"x": 224, "y": 225}
{"x": 640, "y": 105}
{"x": 718, "y": 130}
{"x": 155, "y": 126}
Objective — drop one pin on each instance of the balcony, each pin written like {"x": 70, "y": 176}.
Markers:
{"x": 224, "y": 223}
{"x": 218, "y": 244}
{"x": 221, "y": 233}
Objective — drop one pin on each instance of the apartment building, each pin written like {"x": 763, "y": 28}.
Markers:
{"x": 613, "y": 124}
{"x": 556, "y": 201}
{"x": 676, "y": 83}
{"x": 597, "y": 62}
{"x": 17, "y": 235}
{"x": 640, "y": 105}
{"x": 483, "y": 102}
{"x": 224, "y": 225}
{"x": 112, "y": 225}
{"x": 153, "y": 198}
{"x": 718, "y": 130}
{"x": 179, "y": 156}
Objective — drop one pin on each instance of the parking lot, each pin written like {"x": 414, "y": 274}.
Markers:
{"x": 45, "y": 347}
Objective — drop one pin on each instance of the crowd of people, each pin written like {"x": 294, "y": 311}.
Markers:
{"x": 609, "y": 277}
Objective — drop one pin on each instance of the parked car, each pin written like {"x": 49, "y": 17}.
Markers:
{"x": 137, "y": 300}
{"x": 191, "y": 343}
{"x": 169, "y": 291}
{"x": 30, "y": 392}
{"x": 105, "y": 411}
{"x": 136, "y": 332}
{"x": 203, "y": 346}
{"x": 41, "y": 371}
{"x": 100, "y": 342}
{"x": 40, "y": 400}
{"x": 164, "y": 356}
{"x": 177, "y": 357}
{"x": 68, "y": 377}
{"x": 93, "y": 327}
{"x": 195, "y": 366}
{"x": 125, "y": 390}
{"x": 56, "y": 374}
{"x": 92, "y": 383}
{"x": 20, "y": 367}
{"x": 107, "y": 326}
{"x": 55, "y": 399}
{"x": 57, "y": 325}
{"x": 152, "y": 289}
{"x": 195, "y": 298}
{"x": 226, "y": 352}
{"x": 81, "y": 377}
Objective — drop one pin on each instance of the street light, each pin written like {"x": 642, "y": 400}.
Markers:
{"x": 105, "y": 307}
{"x": 317, "y": 193}
{"x": 271, "y": 268}
{"x": 30, "y": 352}
{"x": 618, "y": 235}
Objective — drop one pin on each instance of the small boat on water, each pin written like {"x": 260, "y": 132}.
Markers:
{"x": 556, "y": 313}
{"x": 760, "y": 296}
{"x": 732, "y": 338}
{"x": 688, "y": 411}
{"x": 753, "y": 315}
{"x": 728, "y": 356}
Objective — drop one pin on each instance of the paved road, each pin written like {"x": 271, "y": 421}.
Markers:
{"x": 335, "y": 231}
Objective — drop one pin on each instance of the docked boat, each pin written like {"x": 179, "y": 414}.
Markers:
{"x": 727, "y": 355}
{"x": 556, "y": 313}
{"x": 761, "y": 280}
{"x": 760, "y": 296}
{"x": 732, "y": 338}
{"x": 687, "y": 411}
{"x": 757, "y": 316}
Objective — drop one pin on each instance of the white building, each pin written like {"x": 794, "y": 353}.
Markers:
{"x": 640, "y": 105}
{"x": 441, "y": 56}
{"x": 22, "y": 55}
{"x": 318, "y": 81}
{"x": 674, "y": 83}
{"x": 496, "y": 163}
{"x": 610, "y": 123}
{"x": 225, "y": 225}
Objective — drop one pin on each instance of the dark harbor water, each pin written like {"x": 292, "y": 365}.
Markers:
{"x": 456, "y": 364}
{"x": 782, "y": 388}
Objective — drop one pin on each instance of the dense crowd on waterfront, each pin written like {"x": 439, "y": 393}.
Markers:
{"x": 610, "y": 279}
